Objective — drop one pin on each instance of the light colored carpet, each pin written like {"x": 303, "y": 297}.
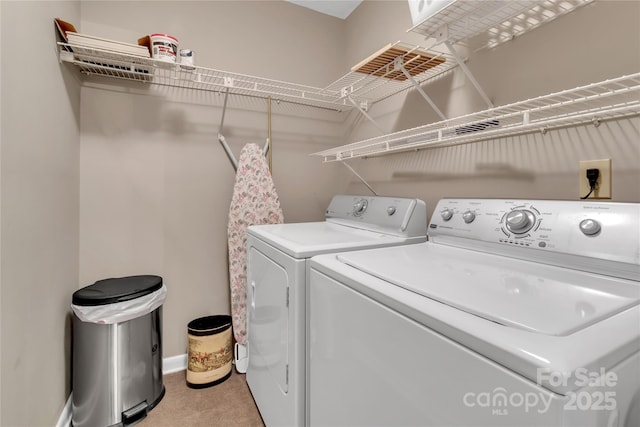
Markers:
{"x": 228, "y": 404}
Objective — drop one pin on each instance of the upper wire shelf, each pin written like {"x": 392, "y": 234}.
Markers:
{"x": 129, "y": 67}
{"x": 355, "y": 88}
{"x": 499, "y": 20}
{"x": 610, "y": 99}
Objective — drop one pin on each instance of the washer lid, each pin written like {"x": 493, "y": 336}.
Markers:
{"x": 306, "y": 239}
{"x": 109, "y": 291}
{"x": 519, "y": 294}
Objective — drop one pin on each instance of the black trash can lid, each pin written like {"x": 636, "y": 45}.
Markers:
{"x": 209, "y": 325}
{"x": 109, "y": 291}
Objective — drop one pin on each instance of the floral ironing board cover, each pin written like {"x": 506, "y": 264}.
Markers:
{"x": 254, "y": 202}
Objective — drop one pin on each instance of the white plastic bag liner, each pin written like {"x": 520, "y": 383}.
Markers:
{"x": 121, "y": 311}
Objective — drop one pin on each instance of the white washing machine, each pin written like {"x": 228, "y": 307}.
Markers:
{"x": 515, "y": 313}
{"x": 277, "y": 267}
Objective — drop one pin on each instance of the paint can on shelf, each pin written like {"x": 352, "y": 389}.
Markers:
{"x": 164, "y": 47}
{"x": 210, "y": 351}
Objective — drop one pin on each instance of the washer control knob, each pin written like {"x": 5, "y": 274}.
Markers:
{"x": 391, "y": 210}
{"x": 447, "y": 214}
{"x": 468, "y": 217}
{"x": 520, "y": 221}
{"x": 359, "y": 207}
{"x": 589, "y": 227}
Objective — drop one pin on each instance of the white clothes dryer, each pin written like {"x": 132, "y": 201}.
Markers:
{"x": 277, "y": 267}
{"x": 514, "y": 313}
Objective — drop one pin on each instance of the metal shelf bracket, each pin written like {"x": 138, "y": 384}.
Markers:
{"x": 364, "y": 113}
{"x": 360, "y": 178}
{"x": 468, "y": 73}
{"x": 398, "y": 64}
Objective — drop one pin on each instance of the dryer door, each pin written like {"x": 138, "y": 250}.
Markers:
{"x": 275, "y": 333}
{"x": 268, "y": 319}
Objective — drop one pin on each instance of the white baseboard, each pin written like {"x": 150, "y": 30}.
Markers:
{"x": 169, "y": 366}
{"x": 174, "y": 364}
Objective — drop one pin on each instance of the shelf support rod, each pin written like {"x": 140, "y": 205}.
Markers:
{"x": 222, "y": 139}
{"x": 468, "y": 73}
{"x": 265, "y": 147}
{"x": 422, "y": 92}
{"x": 227, "y": 150}
{"x": 364, "y": 113}
{"x": 224, "y": 108}
{"x": 353, "y": 171}
{"x": 267, "y": 151}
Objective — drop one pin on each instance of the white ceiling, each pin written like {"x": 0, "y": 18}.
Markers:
{"x": 338, "y": 8}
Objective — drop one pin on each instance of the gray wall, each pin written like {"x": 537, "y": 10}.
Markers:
{"x": 568, "y": 52}
{"x": 39, "y": 214}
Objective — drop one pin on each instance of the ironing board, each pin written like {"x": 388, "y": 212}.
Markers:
{"x": 254, "y": 201}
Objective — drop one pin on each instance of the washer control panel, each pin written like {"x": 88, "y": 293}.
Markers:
{"x": 393, "y": 215}
{"x": 591, "y": 229}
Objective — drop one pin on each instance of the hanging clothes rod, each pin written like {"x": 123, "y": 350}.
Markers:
{"x": 225, "y": 144}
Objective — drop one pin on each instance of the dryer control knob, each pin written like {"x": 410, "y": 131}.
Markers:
{"x": 468, "y": 217}
{"x": 447, "y": 214}
{"x": 589, "y": 227}
{"x": 359, "y": 207}
{"x": 520, "y": 221}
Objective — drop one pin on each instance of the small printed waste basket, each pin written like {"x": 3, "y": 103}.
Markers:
{"x": 210, "y": 351}
{"x": 117, "y": 351}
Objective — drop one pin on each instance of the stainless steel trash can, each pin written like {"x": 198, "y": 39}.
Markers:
{"x": 117, "y": 351}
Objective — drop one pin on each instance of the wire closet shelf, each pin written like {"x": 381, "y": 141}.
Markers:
{"x": 354, "y": 88}
{"x": 498, "y": 20}
{"x": 93, "y": 61}
{"x": 593, "y": 103}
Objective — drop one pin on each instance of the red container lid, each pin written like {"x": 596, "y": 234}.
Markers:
{"x": 164, "y": 35}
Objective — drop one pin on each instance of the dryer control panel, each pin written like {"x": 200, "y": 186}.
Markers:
{"x": 393, "y": 215}
{"x": 570, "y": 233}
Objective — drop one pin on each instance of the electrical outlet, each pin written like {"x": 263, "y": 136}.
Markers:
{"x": 603, "y": 185}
